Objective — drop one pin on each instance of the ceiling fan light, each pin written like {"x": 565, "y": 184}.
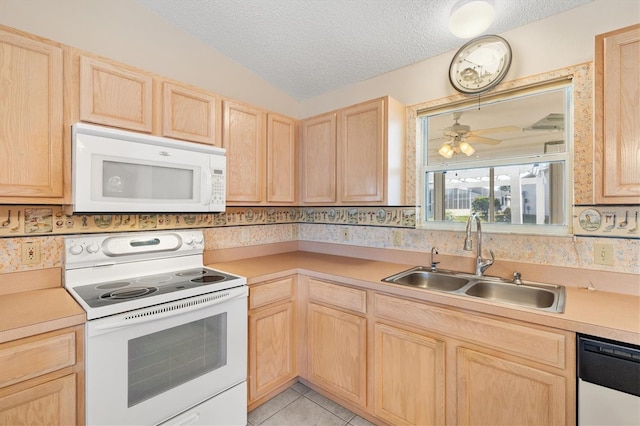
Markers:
{"x": 471, "y": 18}
{"x": 446, "y": 151}
{"x": 467, "y": 149}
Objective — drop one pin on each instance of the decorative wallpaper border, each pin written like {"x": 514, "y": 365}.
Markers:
{"x": 19, "y": 221}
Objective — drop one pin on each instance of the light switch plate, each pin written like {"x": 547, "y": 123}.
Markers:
{"x": 603, "y": 254}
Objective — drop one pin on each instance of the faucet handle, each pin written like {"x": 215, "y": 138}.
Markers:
{"x": 517, "y": 278}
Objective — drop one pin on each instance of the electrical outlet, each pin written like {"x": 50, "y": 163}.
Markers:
{"x": 345, "y": 234}
{"x": 397, "y": 238}
{"x": 603, "y": 254}
{"x": 30, "y": 252}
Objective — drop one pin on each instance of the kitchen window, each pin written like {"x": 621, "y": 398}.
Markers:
{"x": 506, "y": 157}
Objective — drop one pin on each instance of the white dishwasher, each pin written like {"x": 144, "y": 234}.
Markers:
{"x": 608, "y": 382}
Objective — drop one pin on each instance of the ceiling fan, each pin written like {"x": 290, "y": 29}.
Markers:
{"x": 460, "y": 135}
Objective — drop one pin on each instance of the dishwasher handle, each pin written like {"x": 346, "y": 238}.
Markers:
{"x": 612, "y": 365}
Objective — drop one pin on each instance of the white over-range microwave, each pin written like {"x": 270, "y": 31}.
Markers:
{"x": 118, "y": 171}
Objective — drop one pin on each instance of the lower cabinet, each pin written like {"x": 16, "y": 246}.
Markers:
{"x": 409, "y": 377}
{"x": 272, "y": 337}
{"x": 402, "y": 361}
{"x": 337, "y": 340}
{"x": 42, "y": 379}
{"x": 496, "y": 391}
{"x": 458, "y": 367}
{"x": 337, "y": 352}
{"x": 49, "y": 403}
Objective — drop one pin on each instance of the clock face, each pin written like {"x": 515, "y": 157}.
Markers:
{"x": 480, "y": 64}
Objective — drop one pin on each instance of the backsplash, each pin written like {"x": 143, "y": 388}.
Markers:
{"x": 369, "y": 227}
{"x": 16, "y": 221}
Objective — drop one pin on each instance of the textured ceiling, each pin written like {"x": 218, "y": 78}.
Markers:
{"x": 310, "y": 47}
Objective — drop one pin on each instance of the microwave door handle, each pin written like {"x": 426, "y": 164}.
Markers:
{"x": 208, "y": 187}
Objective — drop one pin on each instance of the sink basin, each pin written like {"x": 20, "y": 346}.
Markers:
{"x": 545, "y": 297}
{"x": 522, "y": 295}
{"x": 418, "y": 277}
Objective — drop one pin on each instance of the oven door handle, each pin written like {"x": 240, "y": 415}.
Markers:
{"x": 171, "y": 309}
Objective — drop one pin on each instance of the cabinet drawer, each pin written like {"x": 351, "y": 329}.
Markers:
{"x": 274, "y": 291}
{"x": 35, "y": 356}
{"x": 547, "y": 347}
{"x": 337, "y": 295}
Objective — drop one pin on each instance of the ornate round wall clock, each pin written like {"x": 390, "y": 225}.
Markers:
{"x": 480, "y": 64}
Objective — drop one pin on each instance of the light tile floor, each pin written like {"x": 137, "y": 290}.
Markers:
{"x": 301, "y": 406}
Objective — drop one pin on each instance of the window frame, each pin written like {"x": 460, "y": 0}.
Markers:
{"x": 566, "y": 157}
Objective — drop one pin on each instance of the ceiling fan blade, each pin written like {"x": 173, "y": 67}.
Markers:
{"x": 482, "y": 139}
{"x": 494, "y": 130}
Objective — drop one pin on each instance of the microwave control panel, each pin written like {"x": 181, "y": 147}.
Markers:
{"x": 218, "y": 187}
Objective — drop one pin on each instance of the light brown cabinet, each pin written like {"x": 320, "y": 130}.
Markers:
{"x": 272, "y": 338}
{"x": 318, "y": 160}
{"x": 366, "y": 144}
{"x": 337, "y": 340}
{"x": 617, "y": 127}
{"x": 31, "y": 113}
{"x": 115, "y": 95}
{"x": 490, "y": 367}
{"x": 41, "y": 380}
{"x": 491, "y": 390}
{"x": 261, "y": 165}
{"x": 244, "y": 139}
{"x": 189, "y": 114}
{"x": 282, "y": 159}
{"x": 409, "y": 378}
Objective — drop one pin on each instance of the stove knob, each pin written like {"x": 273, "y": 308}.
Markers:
{"x": 75, "y": 250}
{"x": 188, "y": 241}
{"x": 93, "y": 248}
{"x": 199, "y": 240}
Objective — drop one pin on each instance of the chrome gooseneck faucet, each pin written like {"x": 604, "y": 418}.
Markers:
{"x": 481, "y": 265}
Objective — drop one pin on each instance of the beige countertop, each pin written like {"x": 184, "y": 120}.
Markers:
{"x": 39, "y": 311}
{"x": 609, "y": 315}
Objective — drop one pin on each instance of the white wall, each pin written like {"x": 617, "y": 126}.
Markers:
{"x": 128, "y": 32}
{"x": 556, "y": 42}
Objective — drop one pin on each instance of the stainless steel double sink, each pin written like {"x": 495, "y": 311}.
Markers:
{"x": 545, "y": 297}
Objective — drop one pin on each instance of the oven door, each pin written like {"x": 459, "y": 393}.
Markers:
{"x": 148, "y": 365}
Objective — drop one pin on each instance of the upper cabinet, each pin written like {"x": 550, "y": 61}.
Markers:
{"x": 188, "y": 114}
{"x": 115, "y": 95}
{"x": 617, "y": 128}
{"x": 31, "y": 113}
{"x": 356, "y": 155}
{"x": 318, "y": 159}
{"x": 282, "y": 159}
{"x": 243, "y": 137}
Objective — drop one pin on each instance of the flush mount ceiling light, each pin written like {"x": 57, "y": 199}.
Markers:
{"x": 470, "y": 18}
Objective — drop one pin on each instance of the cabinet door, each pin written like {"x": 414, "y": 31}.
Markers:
{"x": 318, "y": 159}
{"x": 617, "y": 127}
{"x": 361, "y": 153}
{"x": 337, "y": 352}
{"x": 494, "y": 391}
{"x": 188, "y": 114}
{"x": 272, "y": 349}
{"x": 50, "y": 403}
{"x": 115, "y": 96}
{"x": 243, "y": 138}
{"x": 409, "y": 377}
{"x": 281, "y": 159}
{"x": 31, "y": 105}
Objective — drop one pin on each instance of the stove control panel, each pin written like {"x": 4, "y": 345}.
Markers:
{"x": 93, "y": 249}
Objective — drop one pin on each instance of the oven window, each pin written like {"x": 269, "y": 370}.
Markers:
{"x": 168, "y": 358}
